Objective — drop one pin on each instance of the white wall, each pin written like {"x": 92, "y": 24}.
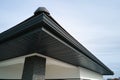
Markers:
{"x": 55, "y": 69}
{"x": 13, "y": 68}
{"x": 87, "y": 74}
{"x": 11, "y": 71}
{"x": 52, "y": 72}
{"x": 59, "y": 72}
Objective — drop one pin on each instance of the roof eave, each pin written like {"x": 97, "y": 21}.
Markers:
{"x": 59, "y": 31}
{"x": 25, "y": 27}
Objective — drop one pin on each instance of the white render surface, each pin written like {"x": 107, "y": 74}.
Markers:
{"x": 59, "y": 72}
{"x": 55, "y": 69}
{"x": 11, "y": 71}
{"x": 88, "y": 74}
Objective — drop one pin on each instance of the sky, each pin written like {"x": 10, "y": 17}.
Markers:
{"x": 94, "y": 23}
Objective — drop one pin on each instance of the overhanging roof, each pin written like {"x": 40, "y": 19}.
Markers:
{"x": 42, "y": 34}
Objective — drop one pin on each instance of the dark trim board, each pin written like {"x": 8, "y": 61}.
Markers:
{"x": 42, "y": 34}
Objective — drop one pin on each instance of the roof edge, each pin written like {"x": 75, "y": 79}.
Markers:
{"x": 21, "y": 29}
{"x": 72, "y": 41}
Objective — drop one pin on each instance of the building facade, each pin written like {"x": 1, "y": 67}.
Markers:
{"x": 39, "y": 48}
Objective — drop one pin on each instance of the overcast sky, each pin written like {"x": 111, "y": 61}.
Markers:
{"x": 94, "y": 23}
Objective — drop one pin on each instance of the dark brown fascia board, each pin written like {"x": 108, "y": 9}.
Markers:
{"x": 25, "y": 27}
{"x": 65, "y": 36}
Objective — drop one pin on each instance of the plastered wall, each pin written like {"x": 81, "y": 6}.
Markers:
{"x": 12, "y": 69}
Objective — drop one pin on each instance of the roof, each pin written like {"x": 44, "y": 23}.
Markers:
{"x": 42, "y": 34}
